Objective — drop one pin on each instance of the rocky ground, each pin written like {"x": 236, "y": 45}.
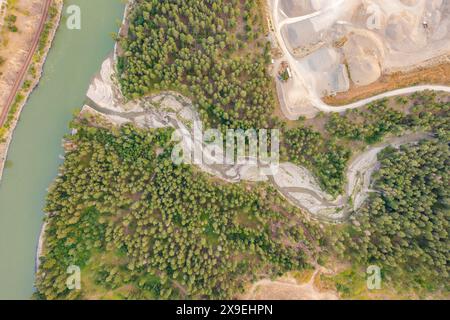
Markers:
{"x": 346, "y": 51}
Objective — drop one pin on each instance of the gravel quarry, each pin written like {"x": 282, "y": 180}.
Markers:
{"x": 334, "y": 46}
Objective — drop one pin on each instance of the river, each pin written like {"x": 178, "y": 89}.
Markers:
{"x": 33, "y": 158}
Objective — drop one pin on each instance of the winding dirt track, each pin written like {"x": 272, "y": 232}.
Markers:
{"x": 21, "y": 76}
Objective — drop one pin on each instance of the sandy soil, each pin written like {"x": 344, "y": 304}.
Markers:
{"x": 14, "y": 46}
{"x": 297, "y": 184}
{"x": 34, "y": 80}
{"x": 438, "y": 74}
{"x": 288, "y": 288}
{"x": 2, "y": 11}
{"x": 171, "y": 109}
{"x": 367, "y": 47}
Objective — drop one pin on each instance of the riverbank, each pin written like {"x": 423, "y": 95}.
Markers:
{"x": 23, "y": 94}
{"x": 129, "y": 6}
{"x": 40, "y": 246}
{"x": 437, "y": 74}
{"x": 300, "y": 96}
{"x": 2, "y": 11}
{"x": 41, "y": 240}
{"x": 33, "y": 156}
{"x": 296, "y": 184}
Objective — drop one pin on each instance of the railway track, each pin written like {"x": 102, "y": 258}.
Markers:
{"x": 23, "y": 71}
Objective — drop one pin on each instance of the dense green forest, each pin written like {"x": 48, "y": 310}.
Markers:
{"x": 171, "y": 231}
{"x": 327, "y": 154}
{"x": 325, "y": 158}
{"x": 404, "y": 228}
{"x": 214, "y": 52}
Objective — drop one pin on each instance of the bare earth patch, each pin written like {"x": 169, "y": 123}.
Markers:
{"x": 288, "y": 288}
{"x": 25, "y": 53}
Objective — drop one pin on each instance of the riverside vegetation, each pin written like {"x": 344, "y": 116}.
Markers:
{"x": 141, "y": 227}
{"x": 133, "y": 220}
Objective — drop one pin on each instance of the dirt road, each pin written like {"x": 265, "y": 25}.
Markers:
{"x": 297, "y": 184}
{"x": 22, "y": 73}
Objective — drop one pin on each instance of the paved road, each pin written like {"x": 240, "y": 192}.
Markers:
{"x": 309, "y": 16}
